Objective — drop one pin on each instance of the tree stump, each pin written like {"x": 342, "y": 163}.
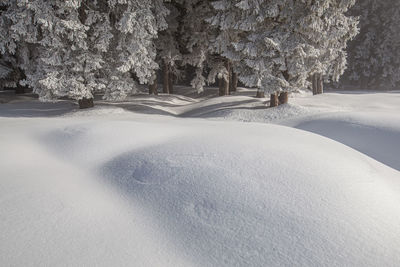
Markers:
{"x": 274, "y": 101}
{"x": 85, "y": 103}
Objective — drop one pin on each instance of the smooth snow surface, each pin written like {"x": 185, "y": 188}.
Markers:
{"x": 111, "y": 187}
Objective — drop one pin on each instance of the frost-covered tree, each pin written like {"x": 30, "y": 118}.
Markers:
{"x": 15, "y": 57}
{"x": 75, "y": 48}
{"x": 328, "y": 28}
{"x": 276, "y": 45}
{"x": 199, "y": 38}
{"x": 195, "y": 34}
{"x": 135, "y": 24}
{"x": 168, "y": 47}
{"x": 374, "y": 55}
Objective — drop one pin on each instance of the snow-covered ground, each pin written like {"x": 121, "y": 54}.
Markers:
{"x": 184, "y": 181}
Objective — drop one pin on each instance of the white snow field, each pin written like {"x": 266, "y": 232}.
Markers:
{"x": 312, "y": 183}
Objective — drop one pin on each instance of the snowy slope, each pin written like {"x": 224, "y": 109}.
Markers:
{"x": 110, "y": 187}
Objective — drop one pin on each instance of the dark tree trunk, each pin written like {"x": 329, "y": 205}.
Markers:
{"x": 153, "y": 86}
{"x": 317, "y": 84}
{"x": 171, "y": 83}
{"x": 221, "y": 86}
{"x": 274, "y": 101}
{"x": 85, "y": 103}
{"x": 260, "y": 93}
{"x": 283, "y": 98}
{"x": 234, "y": 82}
{"x": 314, "y": 84}
{"x": 166, "y": 79}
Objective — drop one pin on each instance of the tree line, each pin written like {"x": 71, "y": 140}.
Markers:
{"x": 78, "y": 48}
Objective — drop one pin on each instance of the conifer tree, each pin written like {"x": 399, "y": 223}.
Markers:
{"x": 75, "y": 48}
{"x": 277, "y": 45}
{"x": 169, "y": 54}
{"x": 199, "y": 38}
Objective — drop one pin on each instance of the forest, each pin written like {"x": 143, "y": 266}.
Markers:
{"x": 77, "y": 48}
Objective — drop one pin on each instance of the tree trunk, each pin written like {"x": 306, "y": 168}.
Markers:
{"x": 153, "y": 86}
{"x": 221, "y": 86}
{"x": 283, "y": 98}
{"x": 317, "y": 84}
{"x": 260, "y": 93}
{"x": 274, "y": 101}
{"x": 234, "y": 82}
{"x": 166, "y": 79}
{"x": 320, "y": 84}
{"x": 226, "y": 82}
{"x": 314, "y": 84}
{"x": 85, "y": 103}
{"x": 171, "y": 83}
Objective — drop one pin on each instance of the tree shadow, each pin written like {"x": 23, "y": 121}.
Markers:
{"x": 33, "y": 109}
{"x": 209, "y": 109}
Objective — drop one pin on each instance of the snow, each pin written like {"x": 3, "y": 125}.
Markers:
{"x": 178, "y": 181}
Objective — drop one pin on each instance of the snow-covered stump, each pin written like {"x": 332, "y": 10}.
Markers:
{"x": 274, "y": 101}
{"x": 85, "y": 103}
{"x": 283, "y": 98}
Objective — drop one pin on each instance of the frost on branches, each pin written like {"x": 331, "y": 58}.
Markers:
{"x": 202, "y": 50}
{"x": 196, "y": 36}
{"x": 75, "y": 48}
{"x": 282, "y": 43}
{"x": 168, "y": 47}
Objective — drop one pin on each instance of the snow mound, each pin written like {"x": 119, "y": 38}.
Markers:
{"x": 191, "y": 193}
{"x": 372, "y": 133}
{"x": 96, "y": 111}
{"x": 260, "y": 114}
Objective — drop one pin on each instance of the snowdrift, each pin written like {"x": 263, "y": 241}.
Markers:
{"x": 141, "y": 190}
{"x": 376, "y": 135}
